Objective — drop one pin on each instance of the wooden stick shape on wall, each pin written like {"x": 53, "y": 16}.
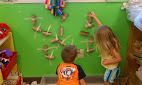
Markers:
{"x": 80, "y": 53}
{"x": 64, "y": 17}
{"x": 55, "y": 39}
{"x": 90, "y": 41}
{"x": 62, "y": 42}
{"x": 72, "y": 42}
{"x": 89, "y": 23}
{"x": 33, "y": 18}
{"x": 37, "y": 29}
{"x": 47, "y": 33}
{"x": 89, "y": 50}
{"x": 60, "y": 31}
{"x": 84, "y": 33}
{"x": 50, "y": 57}
{"x": 46, "y": 48}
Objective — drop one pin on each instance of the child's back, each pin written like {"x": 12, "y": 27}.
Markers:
{"x": 68, "y": 72}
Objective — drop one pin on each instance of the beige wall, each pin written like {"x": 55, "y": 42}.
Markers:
{"x": 41, "y": 1}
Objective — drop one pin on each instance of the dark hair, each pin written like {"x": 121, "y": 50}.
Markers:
{"x": 69, "y": 54}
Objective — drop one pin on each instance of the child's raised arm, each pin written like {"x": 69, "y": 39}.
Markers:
{"x": 93, "y": 15}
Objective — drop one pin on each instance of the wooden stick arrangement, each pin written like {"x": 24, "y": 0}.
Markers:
{"x": 50, "y": 57}
{"x": 89, "y": 50}
{"x": 89, "y": 23}
{"x": 34, "y": 20}
{"x": 37, "y": 29}
{"x": 91, "y": 40}
{"x": 47, "y": 33}
{"x": 56, "y": 39}
{"x": 60, "y": 31}
{"x": 80, "y": 53}
{"x": 84, "y": 33}
{"x": 72, "y": 42}
{"x": 62, "y": 42}
{"x": 64, "y": 17}
{"x": 46, "y": 48}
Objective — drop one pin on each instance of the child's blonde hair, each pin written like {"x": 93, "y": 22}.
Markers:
{"x": 106, "y": 40}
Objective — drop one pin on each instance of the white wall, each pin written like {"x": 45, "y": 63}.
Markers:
{"x": 86, "y": 0}
{"x": 29, "y": 1}
{"x": 41, "y": 1}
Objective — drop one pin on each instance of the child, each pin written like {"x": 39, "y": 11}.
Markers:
{"x": 108, "y": 46}
{"x": 68, "y": 72}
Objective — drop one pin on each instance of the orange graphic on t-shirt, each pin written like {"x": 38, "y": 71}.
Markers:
{"x": 67, "y": 74}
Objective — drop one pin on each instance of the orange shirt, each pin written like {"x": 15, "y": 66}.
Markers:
{"x": 67, "y": 74}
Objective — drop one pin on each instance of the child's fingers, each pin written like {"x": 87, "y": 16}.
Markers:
{"x": 92, "y": 14}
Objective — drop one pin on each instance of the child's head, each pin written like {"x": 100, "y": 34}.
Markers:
{"x": 106, "y": 40}
{"x": 69, "y": 54}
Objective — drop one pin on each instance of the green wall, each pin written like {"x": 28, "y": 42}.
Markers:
{"x": 32, "y": 63}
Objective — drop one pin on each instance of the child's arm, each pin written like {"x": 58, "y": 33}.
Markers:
{"x": 117, "y": 58}
{"x": 82, "y": 82}
{"x": 81, "y": 75}
{"x": 93, "y": 15}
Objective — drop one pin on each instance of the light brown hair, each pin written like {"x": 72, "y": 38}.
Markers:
{"x": 69, "y": 54}
{"x": 106, "y": 40}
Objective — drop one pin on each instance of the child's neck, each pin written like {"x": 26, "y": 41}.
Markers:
{"x": 68, "y": 62}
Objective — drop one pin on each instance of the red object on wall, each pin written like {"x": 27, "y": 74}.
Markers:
{"x": 4, "y": 29}
{"x": 12, "y": 62}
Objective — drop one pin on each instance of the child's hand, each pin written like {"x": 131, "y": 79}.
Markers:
{"x": 92, "y": 14}
{"x": 105, "y": 62}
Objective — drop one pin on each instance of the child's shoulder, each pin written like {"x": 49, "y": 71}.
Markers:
{"x": 68, "y": 64}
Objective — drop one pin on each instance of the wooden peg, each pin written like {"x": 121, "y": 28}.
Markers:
{"x": 55, "y": 39}
{"x": 60, "y": 31}
{"x": 80, "y": 53}
{"x": 50, "y": 57}
{"x": 47, "y": 33}
{"x": 37, "y": 29}
{"x": 64, "y": 17}
{"x": 84, "y": 33}
{"x": 34, "y": 20}
{"x": 91, "y": 40}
